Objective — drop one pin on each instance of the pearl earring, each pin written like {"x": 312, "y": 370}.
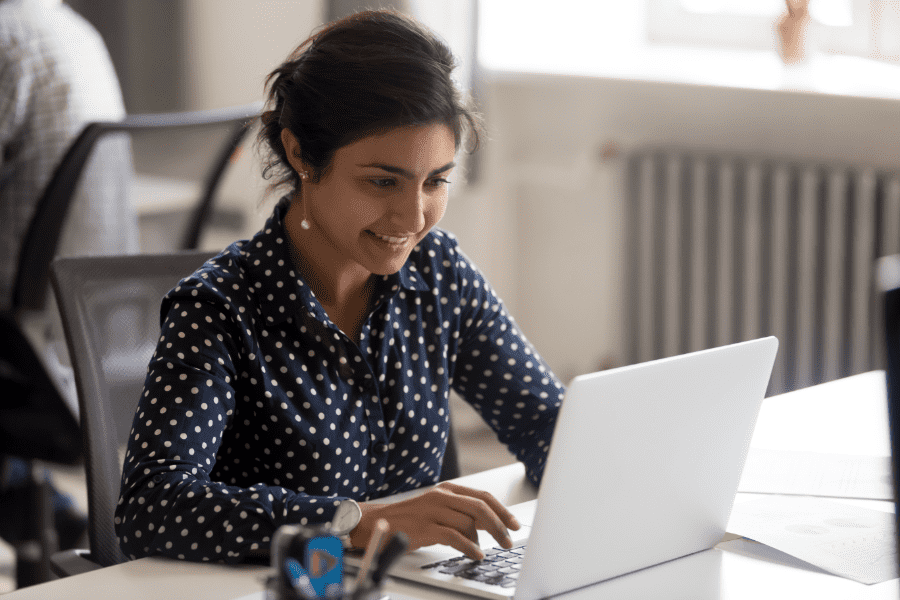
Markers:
{"x": 304, "y": 223}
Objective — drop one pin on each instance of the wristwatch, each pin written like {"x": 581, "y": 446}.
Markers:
{"x": 345, "y": 520}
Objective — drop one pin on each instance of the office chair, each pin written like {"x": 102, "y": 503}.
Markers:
{"x": 203, "y": 127}
{"x": 110, "y": 311}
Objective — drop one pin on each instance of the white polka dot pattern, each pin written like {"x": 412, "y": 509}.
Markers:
{"x": 258, "y": 411}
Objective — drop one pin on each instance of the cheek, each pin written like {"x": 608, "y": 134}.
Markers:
{"x": 361, "y": 211}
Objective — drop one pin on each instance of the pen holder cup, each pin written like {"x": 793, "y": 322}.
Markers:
{"x": 298, "y": 552}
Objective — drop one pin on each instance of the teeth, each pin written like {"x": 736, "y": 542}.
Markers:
{"x": 389, "y": 239}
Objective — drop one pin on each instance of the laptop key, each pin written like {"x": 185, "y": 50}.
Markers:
{"x": 507, "y": 583}
{"x": 454, "y": 569}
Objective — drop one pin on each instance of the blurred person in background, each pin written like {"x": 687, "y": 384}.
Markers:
{"x": 56, "y": 76}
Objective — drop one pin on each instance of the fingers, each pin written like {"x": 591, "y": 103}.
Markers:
{"x": 483, "y": 508}
{"x": 464, "y": 539}
{"x": 459, "y": 521}
{"x": 495, "y": 505}
{"x": 455, "y": 539}
{"x": 508, "y": 519}
{"x": 449, "y": 514}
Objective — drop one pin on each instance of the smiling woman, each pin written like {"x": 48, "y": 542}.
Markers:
{"x": 306, "y": 371}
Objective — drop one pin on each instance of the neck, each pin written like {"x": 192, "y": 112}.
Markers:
{"x": 336, "y": 281}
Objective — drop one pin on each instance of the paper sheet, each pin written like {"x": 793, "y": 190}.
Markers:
{"x": 816, "y": 474}
{"x": 850, "y": 541}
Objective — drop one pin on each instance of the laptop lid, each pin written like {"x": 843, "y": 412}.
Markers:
{"x": 644, "y": 465}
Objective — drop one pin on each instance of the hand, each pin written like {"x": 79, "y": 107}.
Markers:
{"x": 447, "y": 514}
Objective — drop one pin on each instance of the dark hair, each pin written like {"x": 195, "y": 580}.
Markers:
{"x": 363, "y": 74}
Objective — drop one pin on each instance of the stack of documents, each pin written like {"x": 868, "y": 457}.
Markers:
{"x": 817, "y": 474}
{"x": 843, "y": 539}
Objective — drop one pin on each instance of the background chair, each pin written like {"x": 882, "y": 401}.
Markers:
{"x": 154, "y": 139}
{"x": 110, "y": 309}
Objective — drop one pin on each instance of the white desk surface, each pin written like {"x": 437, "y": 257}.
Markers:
{"x": 846, "y": 417}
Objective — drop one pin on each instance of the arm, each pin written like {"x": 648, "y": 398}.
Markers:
{"x": 173, "y": 502}
{"x": 501, "y": 375}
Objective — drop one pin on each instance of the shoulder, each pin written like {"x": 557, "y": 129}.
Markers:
{"x": 220, "y": 280}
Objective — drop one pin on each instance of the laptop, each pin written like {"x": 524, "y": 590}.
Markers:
{"x": 643, "y": 468}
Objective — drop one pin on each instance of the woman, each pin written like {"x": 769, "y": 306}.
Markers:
{"x": 306, "y": 371}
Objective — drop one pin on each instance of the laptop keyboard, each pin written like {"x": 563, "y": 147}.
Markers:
{"x": 498, "y": 567}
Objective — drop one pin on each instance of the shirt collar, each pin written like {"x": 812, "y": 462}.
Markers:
{"x": 281, "y": 289}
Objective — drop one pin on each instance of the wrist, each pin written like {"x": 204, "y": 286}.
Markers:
{"x": 359, "y": 535}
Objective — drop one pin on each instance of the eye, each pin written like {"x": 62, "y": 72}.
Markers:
{"x": 438, "y": 182}
{"x": 383, "y": 182}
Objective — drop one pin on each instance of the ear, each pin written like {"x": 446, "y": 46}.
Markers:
{"x": 292, "y": 150}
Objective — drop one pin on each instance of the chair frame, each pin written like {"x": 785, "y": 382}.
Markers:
{"x": 42, "y": 238}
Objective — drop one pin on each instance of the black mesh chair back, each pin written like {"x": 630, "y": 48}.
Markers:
{"x": 111, "y": 309}
{"x": 167, "y": 150}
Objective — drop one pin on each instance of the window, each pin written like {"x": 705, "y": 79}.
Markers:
{"x": 837, "y": 26}
{"x": 834, "y": 13}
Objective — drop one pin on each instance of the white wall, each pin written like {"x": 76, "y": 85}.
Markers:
{"x": 231, "y": 46}
{"x": 546, "y": 223}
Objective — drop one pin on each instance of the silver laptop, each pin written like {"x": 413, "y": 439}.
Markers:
{"x": 643, "y": 468}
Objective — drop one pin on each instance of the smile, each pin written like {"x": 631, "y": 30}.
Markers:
{"x": 389, "y": 239}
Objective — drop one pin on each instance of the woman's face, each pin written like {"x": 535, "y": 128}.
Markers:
{"x": 381, "y": 195}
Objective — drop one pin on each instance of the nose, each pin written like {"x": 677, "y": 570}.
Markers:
{"x": 409, "y": 212}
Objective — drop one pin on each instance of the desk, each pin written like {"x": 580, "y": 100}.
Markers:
{"x": 847, "y": 416}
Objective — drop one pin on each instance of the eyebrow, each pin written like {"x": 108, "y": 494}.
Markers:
{"x": 403, "y": 172}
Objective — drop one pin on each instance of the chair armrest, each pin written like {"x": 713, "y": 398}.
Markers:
{"x": 72, "y": 562}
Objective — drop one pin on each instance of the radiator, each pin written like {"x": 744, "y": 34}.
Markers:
{"x": 725, "y": 248}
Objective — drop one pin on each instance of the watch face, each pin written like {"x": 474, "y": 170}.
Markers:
{"x": 346, "y": 517}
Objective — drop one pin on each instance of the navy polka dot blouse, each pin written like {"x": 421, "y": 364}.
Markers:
{"x": 258, "y": 411}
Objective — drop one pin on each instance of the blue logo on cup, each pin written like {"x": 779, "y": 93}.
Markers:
{"x": 324, "y": 562}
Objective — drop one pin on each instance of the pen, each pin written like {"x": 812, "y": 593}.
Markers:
{"x": 381, "y": 528}
{"x": 393, "y": 549}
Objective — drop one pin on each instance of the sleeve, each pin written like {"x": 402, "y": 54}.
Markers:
{"x": 501, "y": 375}
{"x": 169, "y": 505}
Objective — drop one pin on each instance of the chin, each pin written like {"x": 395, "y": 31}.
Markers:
{"x": 386, "y": 269}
